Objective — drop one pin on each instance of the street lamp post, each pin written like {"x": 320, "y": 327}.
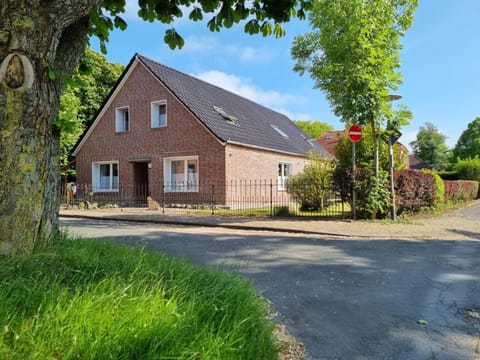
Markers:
{"x": 391, "y": 98}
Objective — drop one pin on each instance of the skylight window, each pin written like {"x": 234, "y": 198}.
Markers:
{"x": 279, "y": 131}
{"x": 231, "y": 119}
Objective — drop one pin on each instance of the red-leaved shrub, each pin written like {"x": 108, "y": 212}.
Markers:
{"x": 414, "y": 191}
{"x": 461, "y": 190}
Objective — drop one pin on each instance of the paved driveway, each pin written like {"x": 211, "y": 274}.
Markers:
{"x": 343, "y": 298}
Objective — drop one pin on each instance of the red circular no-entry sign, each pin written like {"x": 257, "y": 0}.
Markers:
{"x": 355, "y": 133}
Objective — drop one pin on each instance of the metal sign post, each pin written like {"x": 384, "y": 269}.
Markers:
{"x": 354, "y": 194}
{"x": 355, "y": 134}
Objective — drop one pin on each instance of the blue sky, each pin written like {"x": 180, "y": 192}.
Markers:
{"x": 440, "y": 65}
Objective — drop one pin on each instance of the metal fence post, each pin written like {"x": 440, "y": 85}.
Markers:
{"x": 271, "y": 198}
{"x": 163, "y": 198}
{"x": 212, "y": 198}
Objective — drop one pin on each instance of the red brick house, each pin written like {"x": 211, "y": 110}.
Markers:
{"x": 162, "y": 128}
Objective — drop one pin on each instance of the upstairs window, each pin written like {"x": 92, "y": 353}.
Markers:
{"x": 158, "y": 114}
{"x": 122, "y": 119}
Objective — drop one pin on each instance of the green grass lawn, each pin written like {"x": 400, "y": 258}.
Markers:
{"x": 331, "y": 211}
{"x": 86, "y": 299}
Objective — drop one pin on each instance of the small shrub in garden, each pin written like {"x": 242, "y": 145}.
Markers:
{"x": 372, "y": 193}
{"x": 311, "y": 187}
{"x": 281, "y": 211}
{"x": 373, "y": 196}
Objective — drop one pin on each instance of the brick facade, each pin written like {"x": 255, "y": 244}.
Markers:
{"x": 143, "y": 149}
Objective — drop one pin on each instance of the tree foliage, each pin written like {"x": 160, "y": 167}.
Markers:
{"x": 260, "y": 16}
{"x": 468, "y": 144}
{"x": 84, "y": 93}
{"x": 430, "y": 146}
{"x": 353, "y": 54}
{"x": 314, "y": 129}
{"x": 41, "y": 43}
{"x": 364, "y": 152}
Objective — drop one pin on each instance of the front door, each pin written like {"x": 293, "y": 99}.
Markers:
{"x": 140, "y": 179}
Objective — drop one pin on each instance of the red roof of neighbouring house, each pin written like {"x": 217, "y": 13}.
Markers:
{"x": 416, "y": 163}
{"x": 329, "y": 139}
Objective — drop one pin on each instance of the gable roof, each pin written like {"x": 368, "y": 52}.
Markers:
{"x": 242, "y": 121}
{"x": 230, "y": 117}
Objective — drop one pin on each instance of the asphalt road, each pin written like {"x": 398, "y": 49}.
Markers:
{"x": 344, "y": 299}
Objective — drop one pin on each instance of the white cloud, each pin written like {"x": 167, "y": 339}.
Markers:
{"x": 293, "y": 115}
{"x": 211, "y": 46}
{"x": 244, "y": 87}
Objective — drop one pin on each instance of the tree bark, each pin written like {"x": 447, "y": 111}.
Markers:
{"x": 38, "y": 39}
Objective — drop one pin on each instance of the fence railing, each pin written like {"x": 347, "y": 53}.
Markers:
{"x": 236, "y": 198}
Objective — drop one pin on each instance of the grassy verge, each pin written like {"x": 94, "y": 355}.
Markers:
{"x": 334, "y": 211}
{"x": 84, "y": 299}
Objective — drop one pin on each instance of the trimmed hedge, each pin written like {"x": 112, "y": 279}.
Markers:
{"x": 414, "y": 191}
{"x": 468, "y": 169}
{"x": 461, "y": 190}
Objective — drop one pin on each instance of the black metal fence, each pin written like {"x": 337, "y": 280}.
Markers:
{"x": 236, "y": 198}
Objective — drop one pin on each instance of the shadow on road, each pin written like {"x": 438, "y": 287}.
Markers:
{"x": 345, "y": 299}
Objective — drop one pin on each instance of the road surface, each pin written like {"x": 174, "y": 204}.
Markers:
{"x": 343, "y": 298}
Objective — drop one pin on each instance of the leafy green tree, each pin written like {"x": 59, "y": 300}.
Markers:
{"x": 314, "y": 129}
{"x": 364, "y": 152}
{"x": 430, "y": 146}
{"x": 41, "y": 43}
{"x": 353, "y": 55}
{"x": 468, "y": 144}
{"x": 84, "y": 93}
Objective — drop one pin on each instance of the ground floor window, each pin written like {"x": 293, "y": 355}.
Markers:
{"x": 181, "y": 174}
{"x": 284, "y": 171}
{"x": 105, "y": 176}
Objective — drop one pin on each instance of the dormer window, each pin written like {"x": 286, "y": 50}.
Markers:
{"x": 122, "y": 119}
{"x": 231, "y": 119}
{"x": 279, "y": 131}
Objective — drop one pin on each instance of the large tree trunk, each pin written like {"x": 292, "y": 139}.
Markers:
{"x": 36, "y": 38}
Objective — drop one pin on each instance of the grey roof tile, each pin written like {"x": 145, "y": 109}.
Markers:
{"x": 253, "y": 125}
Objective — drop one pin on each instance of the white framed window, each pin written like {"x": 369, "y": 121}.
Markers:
{"x": 158, "y": 111}
{"x": 105, "y": 176}
{"x": 284, "y": 171}
{"x": 279, "y": 131}
{"x": 122, "y": 119}
{"x": 181, "y": 174}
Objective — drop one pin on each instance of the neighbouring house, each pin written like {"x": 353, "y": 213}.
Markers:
{"x": 168, "y": 133}
{"x": 329, "y": 139}
{"x": 415, "y": 163}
